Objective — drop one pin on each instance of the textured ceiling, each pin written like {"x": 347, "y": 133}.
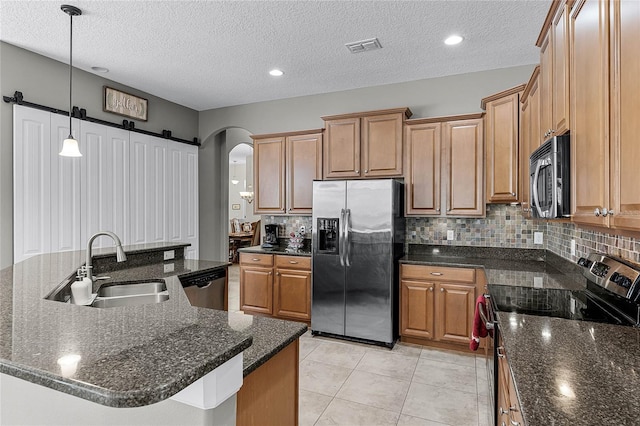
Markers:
{"x": 211, "y": 54}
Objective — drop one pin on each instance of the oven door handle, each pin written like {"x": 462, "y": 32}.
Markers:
{"x": 536, "y": 200}
{"x": 488, "y": 324}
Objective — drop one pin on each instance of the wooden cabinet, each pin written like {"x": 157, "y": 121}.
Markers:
{"x": 554, "y": 43}
{"x": 276, "y": 285}
{"x": 590, "y": 151}
{"x": 529, "y": 135}
{"x": 364, "y": 145}
{"x": 436, "y": 304}
{"x": 444, "y": 158}
{"x": 292, "y": 288}
{"x": 509, "y": 411}
{"x": 502, "y": 143}
{"x": 285, "y": 166}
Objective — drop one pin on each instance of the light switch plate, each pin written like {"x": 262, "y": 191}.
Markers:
{"x": 169, "y": 254}
{"x": 538, "y": 238}
{"x": 169, "y": 267}
{"x": 450, "y": 235}
{"x": 538, "y": 282}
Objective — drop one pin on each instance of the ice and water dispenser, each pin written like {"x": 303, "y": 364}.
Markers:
{"x": 328, "y": 234}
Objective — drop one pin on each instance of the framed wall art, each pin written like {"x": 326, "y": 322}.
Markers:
{"x": 121, "y": 103}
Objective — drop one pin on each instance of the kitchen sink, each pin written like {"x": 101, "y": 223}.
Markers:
{"x": 139, "y": 299}
{"x": 132, "y": 288}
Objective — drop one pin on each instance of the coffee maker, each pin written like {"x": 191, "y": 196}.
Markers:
{"x": 270, "y": 235}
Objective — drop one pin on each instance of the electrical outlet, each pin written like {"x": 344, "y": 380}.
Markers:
{"x": 450, "y": 235}
{"x": 573, "y": 247}
{"x": 538, "y": 282}
{"x": 169, "y": 254}
{"x": 538, "y": 238}
{"x": 169, "y": 267}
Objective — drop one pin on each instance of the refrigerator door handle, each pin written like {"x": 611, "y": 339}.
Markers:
{"x": 347, "y": 229}
{"x": 341, "y": 238}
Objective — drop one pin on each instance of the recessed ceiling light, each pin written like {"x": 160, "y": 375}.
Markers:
{"x": 276, "y": 72}
{"x": 100, "y": 69}
{"x": 454, "y": 39}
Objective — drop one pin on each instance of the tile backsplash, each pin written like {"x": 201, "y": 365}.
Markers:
{"x": 288, "y": 224}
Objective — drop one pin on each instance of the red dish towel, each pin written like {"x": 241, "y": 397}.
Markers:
{"x": 479, "y": 328}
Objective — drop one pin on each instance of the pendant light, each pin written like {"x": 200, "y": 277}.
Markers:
{"x": 70, "y": 145}
{"x": 234, "y": 180}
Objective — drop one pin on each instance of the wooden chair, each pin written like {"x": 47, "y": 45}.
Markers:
{"x": 255, "y": 227}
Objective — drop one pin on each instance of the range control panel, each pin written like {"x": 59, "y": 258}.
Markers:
{"x": 616, "y": 275}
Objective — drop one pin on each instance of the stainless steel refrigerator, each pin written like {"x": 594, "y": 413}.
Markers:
{"x": 357, "y": 238}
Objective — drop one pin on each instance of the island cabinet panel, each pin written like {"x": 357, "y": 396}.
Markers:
{"x": 269, "y": 395}
{"x": 269, "y": 175}
{"x": 304, "y": 164}
{"x": 590, "y": 149}
{"x": 342, "y": 149}
{"x": 382, "y": 145}
{"x": 437, "y": 305}
{"x": 422, "y": 169}
{"x": 502, "y": 140}
{"x": 464, "y": 147}
{"x": 625, "y": 125}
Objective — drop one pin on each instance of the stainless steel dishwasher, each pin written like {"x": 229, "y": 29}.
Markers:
{"x": 206, "y": 289}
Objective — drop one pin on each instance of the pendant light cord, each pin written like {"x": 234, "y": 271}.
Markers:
{"x": 70, "y": 72}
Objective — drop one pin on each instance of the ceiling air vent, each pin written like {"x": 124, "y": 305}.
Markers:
{"x": 364, "y": 45}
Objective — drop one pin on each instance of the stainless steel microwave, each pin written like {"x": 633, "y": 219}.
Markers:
{"x": 550, "y": 177}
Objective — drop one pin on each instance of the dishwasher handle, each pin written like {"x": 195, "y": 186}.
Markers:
{"x": 203, "y": 280}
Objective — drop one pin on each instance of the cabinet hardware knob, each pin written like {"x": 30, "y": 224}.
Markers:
{"x": 255, "y": 260}
{"x": 596, "y": 212}
{"x": 500, "y": 352}
{"x": 269, "y": 272}
{"x": 438, "y": 209}
{"x": 441, "y": 290}
{"x": 278, "y": 273}
{"x": 610, "y": 212}
{"x": 514, "y": 423}
{"x": 437, "y": 274}
{"x": 448, "y": 210}
{"x": 503, "y": 424}
{"x": 430, "y": 288}
{"x": 513, "y": 194}
{"x": 293, "y": 262}
{"x": 503, "y": 411}
{"x": 357, "y": 171}
{"x": 366, "y": 171}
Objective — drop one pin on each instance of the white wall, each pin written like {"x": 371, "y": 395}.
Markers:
{"x": 457, "y": 94}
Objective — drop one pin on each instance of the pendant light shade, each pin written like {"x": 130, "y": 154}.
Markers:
{"x": 70, "y": 146}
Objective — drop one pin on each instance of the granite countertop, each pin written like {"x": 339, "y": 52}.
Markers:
{"x": 279, "y": 249}
{"x": 130, "y": 356}
{"x": 565, "y": 371}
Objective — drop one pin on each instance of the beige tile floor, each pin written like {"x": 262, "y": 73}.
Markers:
{"x": 351, "y": 384}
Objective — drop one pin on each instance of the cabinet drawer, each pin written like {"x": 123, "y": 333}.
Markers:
{"x": 293, "y": 262}
{"x": 438, "y": 273}
{"x": 256, "y": 259}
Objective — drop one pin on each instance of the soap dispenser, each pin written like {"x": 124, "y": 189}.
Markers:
{"x": 81, "y": 290}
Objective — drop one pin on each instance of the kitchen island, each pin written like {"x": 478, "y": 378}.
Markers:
{"x": 564, "y": 371}
{"x": 124, "y": 357}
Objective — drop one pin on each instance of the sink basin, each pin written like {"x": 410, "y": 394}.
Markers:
{"x": 132, "y": 289}
{"x": 131, "y": 293}
{"x": 140, "y": 299}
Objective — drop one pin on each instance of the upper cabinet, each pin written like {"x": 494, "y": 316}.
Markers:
{"x": 501, "y": 141}
{"x": 363, "y": 145}
{"x": 554, "y": 43}
{"x": 285, "y": 166}
{"x": 529, "y": 134}
{"x": 444, "y": 159}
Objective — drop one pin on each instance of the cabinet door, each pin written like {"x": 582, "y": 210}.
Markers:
{"x": 148, "y": 165}
{"x": 625, "y": 124}
{"x": 382, "y": 145}
{"x": 454, "y": 311}
{"x": 31, "y": 182}
{"x": 590, "y": 111}
{"x": 106, "y": 185}
{"x": 501, "y": 140}
{"x": 463, "y": 170}
{"x": 546, "y": 88}
{"x": 417, "y": 309}
{"x": 535, "y": 137}
{"x": 560, "y": 71}
{"x": 524, "y": 151}
{"x": 341, "y": 150}
{"x": 182, "y": 196}
{"x": 422, "y": 173}
{"x": 304, "y": 164}
{"x": 292, "y": 294}
{"x": 256, "y": 290}
{"x": 269, "y": 175}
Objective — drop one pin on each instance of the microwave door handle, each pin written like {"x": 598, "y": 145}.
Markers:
{"x": 536, "y": 200}
{"x": 341, "y": 238}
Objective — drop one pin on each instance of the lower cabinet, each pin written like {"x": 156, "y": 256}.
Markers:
{"x": 509, "y": 412}
{"x": 436, "y": 304}
{"x": 276, "y": 285}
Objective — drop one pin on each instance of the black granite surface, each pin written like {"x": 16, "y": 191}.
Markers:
{"x": 566, "y": 372}
{"x": 130, "y": 356}
{"x": 279, "y": 249}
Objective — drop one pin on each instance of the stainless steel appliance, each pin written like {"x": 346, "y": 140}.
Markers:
{"x": 206, "y": 289}
{"x": 550, "y": 183}
{"x": 270, "y": 235}
{"x": 357, "y": 239}
{"x": 611, "y": 295}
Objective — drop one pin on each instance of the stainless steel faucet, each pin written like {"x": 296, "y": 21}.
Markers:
{"x": 120, "y": 256}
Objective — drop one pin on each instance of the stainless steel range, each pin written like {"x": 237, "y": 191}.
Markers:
{"x": 611, "y": 295}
